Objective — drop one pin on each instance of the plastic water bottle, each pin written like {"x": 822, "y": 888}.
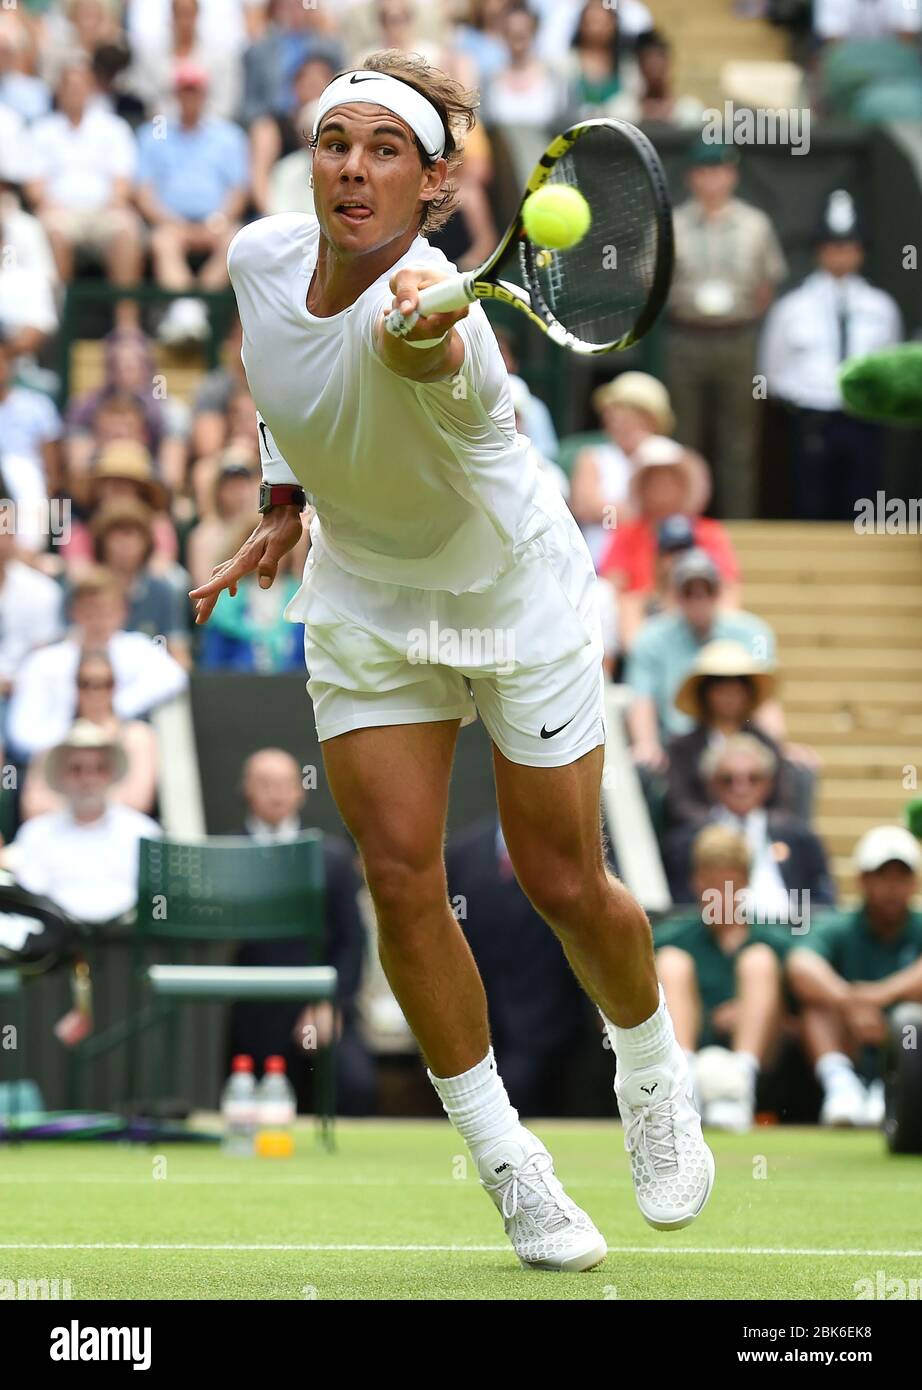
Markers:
{"x": 276, "y": 1107}
{"x": 238, "y": 1108}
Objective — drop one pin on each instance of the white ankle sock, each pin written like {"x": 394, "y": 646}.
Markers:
{"x": 831, "y": 1067}
{"x": 650, "y": 1043}
{"x": 477, "y": 1104}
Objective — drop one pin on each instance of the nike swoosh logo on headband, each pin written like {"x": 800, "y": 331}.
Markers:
{"x": 353, "y": 79}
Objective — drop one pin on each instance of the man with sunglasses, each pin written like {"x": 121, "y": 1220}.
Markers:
{"x": 789, "y": 872}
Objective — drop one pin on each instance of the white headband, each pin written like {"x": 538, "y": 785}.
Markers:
{"x": 380, "y": 89}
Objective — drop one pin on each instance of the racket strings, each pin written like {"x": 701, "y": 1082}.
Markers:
{"x": 599, "y": 289}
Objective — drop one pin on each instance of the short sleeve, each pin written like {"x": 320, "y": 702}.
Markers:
{"x": 274, "y": 467}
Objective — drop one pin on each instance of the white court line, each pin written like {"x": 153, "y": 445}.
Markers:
{"x": 464, "y": 1249}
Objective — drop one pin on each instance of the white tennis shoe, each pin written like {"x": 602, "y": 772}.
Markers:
{"x": 845, "y": 1103}
{"x": 547, "y": 1230}
{"x": 672, "y": 1167}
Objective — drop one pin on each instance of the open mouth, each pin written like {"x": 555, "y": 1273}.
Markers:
{"x": 353, "y": 212}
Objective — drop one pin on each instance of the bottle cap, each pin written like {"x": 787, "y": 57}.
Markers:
{"x": 275, "y": 1064}
{"x": 242, "y": 1063}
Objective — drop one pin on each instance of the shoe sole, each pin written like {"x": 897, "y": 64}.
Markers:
{"x": 685, "y": 1220}
{"x": 576, "y": 1264}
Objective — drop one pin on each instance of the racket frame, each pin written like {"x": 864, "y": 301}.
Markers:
{"x": 459, "y": 290}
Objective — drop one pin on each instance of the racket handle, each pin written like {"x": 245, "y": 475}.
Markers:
{"x": 442, "y": 298}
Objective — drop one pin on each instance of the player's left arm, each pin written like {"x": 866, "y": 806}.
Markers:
{"x": 420, "y": 364}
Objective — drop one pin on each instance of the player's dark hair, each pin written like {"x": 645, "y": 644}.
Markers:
{"x": 456, "y": 106}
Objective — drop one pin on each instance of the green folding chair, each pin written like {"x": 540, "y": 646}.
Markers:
{"x": 223, "y": 890}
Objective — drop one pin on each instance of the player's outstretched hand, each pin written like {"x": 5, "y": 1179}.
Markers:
{"x": 405, "y": 287}
{"x": 278, "y": 532}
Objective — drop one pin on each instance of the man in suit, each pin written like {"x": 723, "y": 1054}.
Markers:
{"x": 787, "y": 859}
{"x": 275, "y": 796}
{"x": 538, "y": 1013}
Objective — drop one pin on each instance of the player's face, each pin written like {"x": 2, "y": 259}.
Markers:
{"x": 366, "y": 155}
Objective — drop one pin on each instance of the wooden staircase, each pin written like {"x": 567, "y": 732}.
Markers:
{"x": 847, "y": 612}
{"x": 706, "y": 34}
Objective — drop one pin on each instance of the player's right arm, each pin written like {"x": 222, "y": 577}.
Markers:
{"x": 277, "y": 532}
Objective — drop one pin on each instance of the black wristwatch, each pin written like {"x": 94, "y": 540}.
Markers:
{"x": 281, "y": 495}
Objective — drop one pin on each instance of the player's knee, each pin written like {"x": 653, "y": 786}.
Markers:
{"x": 402, "y": 885}
{"x": 568, "y": 896}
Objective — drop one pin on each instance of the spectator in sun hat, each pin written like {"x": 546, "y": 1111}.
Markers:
{"x": 665, "y": 484}
{"x": 631, "y": 408}
{"x": 85, "y": 856}
{"x": 124, "y": 470}
{"x": 95, "y": 694}
{"x": 728, "y": 265}
{"x": 722, "y": 692}
{"x": 852, "y": 969}
{"x": 123, "y": 542}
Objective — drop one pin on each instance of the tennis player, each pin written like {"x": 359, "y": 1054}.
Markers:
{"x": 446, "y": 578}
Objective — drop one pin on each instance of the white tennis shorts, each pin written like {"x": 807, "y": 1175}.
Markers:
{"x": 526, "y": 654}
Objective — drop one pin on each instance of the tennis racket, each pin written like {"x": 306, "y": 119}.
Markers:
{"x": 604, "y": 293}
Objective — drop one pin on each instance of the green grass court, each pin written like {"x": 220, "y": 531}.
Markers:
{"x": 393, "y": 1215}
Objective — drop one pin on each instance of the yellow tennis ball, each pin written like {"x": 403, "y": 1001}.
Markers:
{"x": 556, "y": 216}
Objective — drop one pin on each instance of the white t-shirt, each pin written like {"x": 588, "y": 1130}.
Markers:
{"x": 91, "y": 870}
{"x": 79, "y": 163}
{"x": 423, "y": 485}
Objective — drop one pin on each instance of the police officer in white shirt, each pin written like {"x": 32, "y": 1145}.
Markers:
{"x": 833, "y": 315}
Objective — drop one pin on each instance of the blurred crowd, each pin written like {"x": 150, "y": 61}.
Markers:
{"x": 136, "y": 137}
